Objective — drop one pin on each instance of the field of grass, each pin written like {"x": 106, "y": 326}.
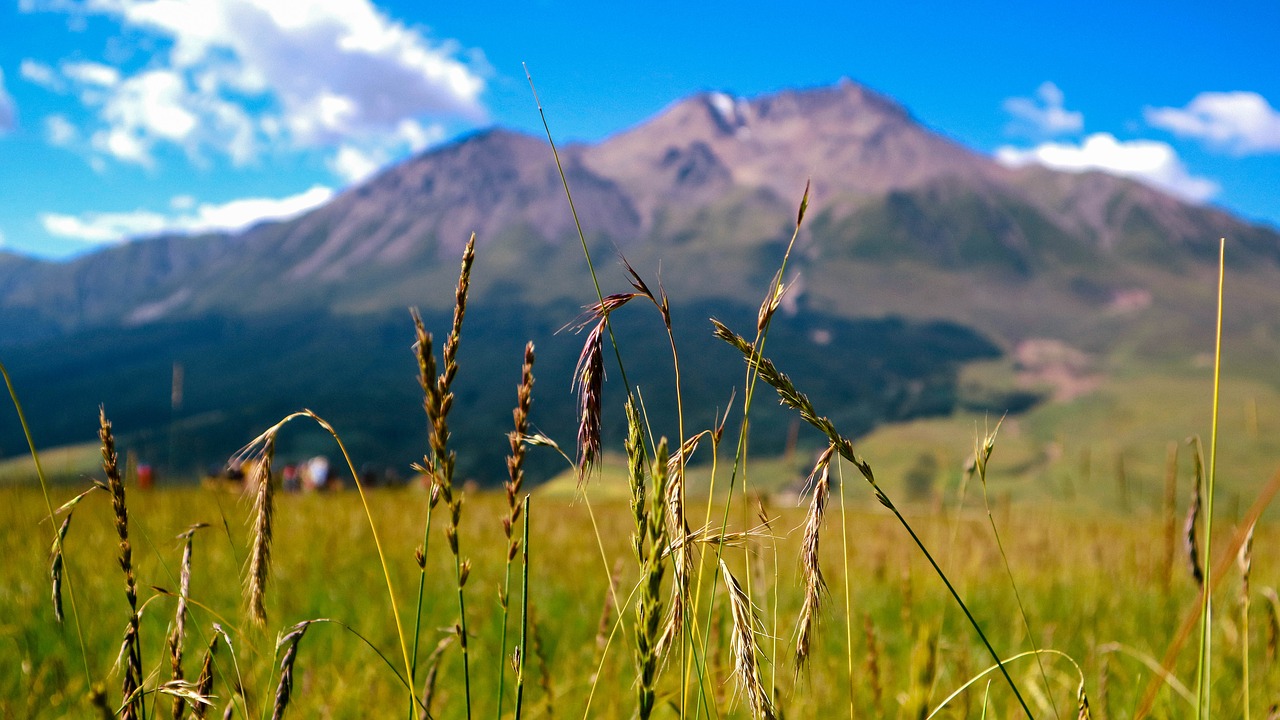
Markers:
{"x": 1098, "y": 587}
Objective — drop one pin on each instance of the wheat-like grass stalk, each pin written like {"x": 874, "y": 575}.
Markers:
{"x": 134, "y": 707}
{"x": 56, "y": 559}
{"x": 96, "y": 692}
{"x": 982, "y": 457}
{"x": 815, "y": 586}
{"x": 439, "y": 466}
{"x": 1245, "y": 561}
{"x": 433, "y": 671}
{"x": 178, "y": 636}
{"x": 1191, "y": 527}
{"x": 588, "y": 381}
{"x": 284, "y": 691}
{"x": 649, "y": 604}
{"x": 258, "y": 572}
{"x": 513, "y": 486}
{"x": 797, "y": 400}
{"x": 1204, "y": 672}
{"x": 745, "y": 648}
{"x": 1082, "y": 703}
{"x": 204, "y": 683}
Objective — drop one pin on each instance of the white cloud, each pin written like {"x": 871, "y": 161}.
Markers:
{"x": 352, "y": 164}
{"x": 1240, "y": 122}
{"x": 92, "y": 73}
{"x": 1, "y": 238}
{"x": 1044, "y": 115}
{"x": 357, "y": 161}
{"x": 1149, "y": 161}
{"x": 59, "y": 131}
{"x": 112, "y": 227}
{"x": 239, "y": 76}
{"x": 8, "y": 113}
{"x": 40, "y": 74}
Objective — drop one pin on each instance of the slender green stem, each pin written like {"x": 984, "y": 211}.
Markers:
{"x": 422, "y": 583}
{"x": 753, "y": 374}
{"x": 981, "y": 456}
{"x": 578, "y": 225}
{"x": 848, "y": 595}
{"x": 44, "y": 488}
{"x": 524, "y": 611}
{"x": 964, "y": 608}
{"x": 1204, "y": 682}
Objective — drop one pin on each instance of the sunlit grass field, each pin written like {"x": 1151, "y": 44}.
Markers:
{"x": 1100, "y": 587}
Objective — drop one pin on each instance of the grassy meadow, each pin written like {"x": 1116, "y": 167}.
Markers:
{"x": 970, "y": 566}
{"x": 1102, "y": 589}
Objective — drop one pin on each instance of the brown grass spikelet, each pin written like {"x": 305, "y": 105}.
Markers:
{"x": 55, "y": 565}
{"x": 814, "y": 584}
{"x": 745, "y": 648}
{"x": 284, "y": 690}
{"x": 1082, "y": 703}
{"x": 178, "y": 636}
{"x": 796, "y": 400}
{"x": 55, "y": 550}
{"x": 1191, "y": 526}
{"x": 258, "y": 569}
{"x": 204, "y": 683}
{"x": 433, "y": 671}
{"x": 515, "y": 460}
{"x": 588, "y": 382}
{"x": 1244, "y": 560}
{"x": 132, "y": 651}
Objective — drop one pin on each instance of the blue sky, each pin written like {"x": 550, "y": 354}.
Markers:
{"x": 121, "y": 118}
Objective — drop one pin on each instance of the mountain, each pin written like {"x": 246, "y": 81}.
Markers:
{"x": 936, "y": 252}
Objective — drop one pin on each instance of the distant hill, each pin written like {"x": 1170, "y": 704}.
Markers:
{"x": 917, "y": 256}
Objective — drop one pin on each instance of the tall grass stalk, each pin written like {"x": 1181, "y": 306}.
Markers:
{"x": 848, "y": 593}
{"x": 270, "y": 433}
{"x": 764, "y": 318}
{"x": 524, "y": 612}
{"x": 58, "y": 536}
{"x": 1245, "y": 560}
{"x": 439, "y": 466}
{"x": 1212, "y": 580}
{"x": 513, "y": 486}
{"x": 595, "y": 281}
{"x": 1204, "y": 675}
{"x": 133, "y": 677}
{"x": 982, "y": 455}
{"x": 796, "y": 400}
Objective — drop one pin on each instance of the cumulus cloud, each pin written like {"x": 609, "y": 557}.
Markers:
{"x": 1239, "y": 122}
{"x": 1149, "y": 161}
{"x": 1043, "y": 115}
{"x": 241, "y": 76}
{"x": 188, "y": 218}
{"x": 59, "y": 131}
{"x": 8, "y": 113}
{"x": 40, "y": 74}
{"x": 356, "y": 161}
